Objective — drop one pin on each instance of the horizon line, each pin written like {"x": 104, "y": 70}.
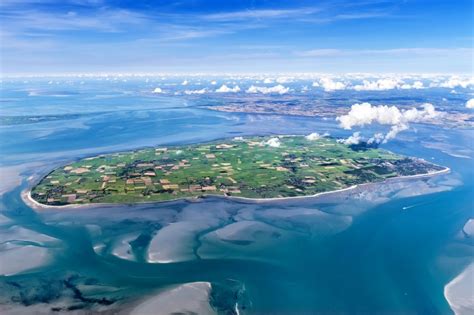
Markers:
{"x": 220, "y": 74}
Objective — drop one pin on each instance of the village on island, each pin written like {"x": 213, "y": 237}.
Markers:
{"x": 255, "y": 167}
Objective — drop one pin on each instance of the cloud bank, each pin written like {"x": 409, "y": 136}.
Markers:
{"x": 365, "y": 114}
{"x": 382, "y": 84}
{"x": 387, "y": 84}
{"x": 454, "y": 82}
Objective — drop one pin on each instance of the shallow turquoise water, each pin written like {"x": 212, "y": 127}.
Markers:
{"x": 350, "y": 253}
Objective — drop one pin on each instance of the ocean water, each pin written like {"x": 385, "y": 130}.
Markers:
{"x": 385, "y": 248}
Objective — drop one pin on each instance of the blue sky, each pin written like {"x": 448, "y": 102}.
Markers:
{"x": 77, "y": 36}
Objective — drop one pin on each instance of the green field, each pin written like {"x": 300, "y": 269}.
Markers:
{"x": 256, "y": 167}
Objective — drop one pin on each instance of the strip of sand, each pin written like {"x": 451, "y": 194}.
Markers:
{"x": 189, "y": 298}
{"x": 460, "y": 292}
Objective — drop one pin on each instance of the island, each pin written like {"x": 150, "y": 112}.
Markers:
{"x": 255, "y": 167}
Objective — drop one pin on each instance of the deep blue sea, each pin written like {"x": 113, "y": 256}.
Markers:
{"x": 387, "y": 248}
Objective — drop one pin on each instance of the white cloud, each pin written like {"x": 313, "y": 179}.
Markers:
{"x": 417, "y": 85}
{"x": 284, "y": 80}
{"x": 379, "y": 85}
{"x": 320, "y": 53}
{"x": 387, "y": 84}
{"x": 213, "y": 82}
{"x": 394, "y": 130}
{"x": 313, "y": 136}
{"x": 259, "y": 14}
{"x": 268, "y": 81}
{"x": 253, "y": 89}
{"x": 376, "y": 138}
{"x": 354, "y": 139}
{"x": 329, "y": 85}
{"x": 427, "y": 113}
{"x": 185, "y": 82}
{"x": 280, "y": 89}
{"x": 225, "y": 89}
{"x": 111, "y": 20}
{"x": 201, "y": 91}
{"x": 454, "y": 82}
{"x": 470, "y": 103}
{"x": 366, "y": 114}
{"x": 157, "y": 90}
{"x": 273, "y": 142}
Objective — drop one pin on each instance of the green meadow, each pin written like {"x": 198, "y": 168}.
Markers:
{"x": 255, "y": 167}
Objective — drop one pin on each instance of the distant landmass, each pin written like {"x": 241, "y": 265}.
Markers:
{"x": 255, "y": 167}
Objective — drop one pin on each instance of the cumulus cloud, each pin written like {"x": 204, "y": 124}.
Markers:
{"x": 185, "y": 82}
{"x": 273, "y": 142}
{"x": 329, "y": 85}
{"x": 417, "y": 85}
{"x": 280, "y": 89}
{"x": 268, "y": 81}
{"x": 376, "y": 138}
{"x": 313, "y": 136}
{"x": 157, "y": 90}
{"x": 201, "y": 91}
{"x": 354, "y": 139}
{"x": 454, "y": 82}
{"x": 253, "y": 89}
{"x": 365, "y": 114}
{"x": 284, "y": 80}
{"x": 387, "y": 84}
{"x": 378, "y": 85}
{"x": 398, "y": 120}
{"x": 213, "y": 82}
{"x": 470, "y": 103}
{"x": 225, "y": 89}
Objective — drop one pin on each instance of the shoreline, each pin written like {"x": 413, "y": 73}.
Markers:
{"x": 26, "y": 195}
{"x": 453, "y": 291}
